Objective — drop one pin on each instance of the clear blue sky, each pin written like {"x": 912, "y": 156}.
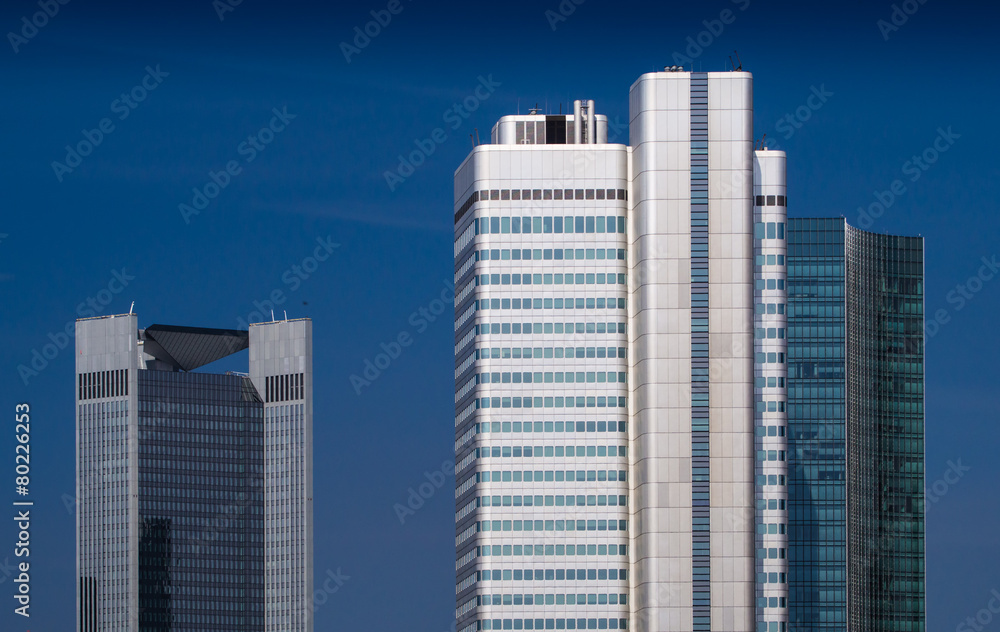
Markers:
{"x": 322, "y": 176}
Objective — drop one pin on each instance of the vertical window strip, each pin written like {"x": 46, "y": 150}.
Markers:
{"x": 700, "y": 528}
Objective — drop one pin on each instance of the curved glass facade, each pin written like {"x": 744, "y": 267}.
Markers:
{"x": 856, "y": 427}
{"x": 885, "y": 432}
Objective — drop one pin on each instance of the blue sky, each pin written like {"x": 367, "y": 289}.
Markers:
{"x": 115, "y": 218}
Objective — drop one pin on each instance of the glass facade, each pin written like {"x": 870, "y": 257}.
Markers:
{"x": 201, "y": 502}
{"x": 817, "y": 469}
{"x": 885, "y": 432}
{"x": 855, "y": 402}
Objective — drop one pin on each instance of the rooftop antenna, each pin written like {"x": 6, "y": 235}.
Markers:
{"x": 738, "y": 60}
{"x": 272, "y": 315}
{"x": 286, "y": 315}
{"x": 478, "y": 142}
{"x": 472, "y": 140}
{"x": 130, "y": 308}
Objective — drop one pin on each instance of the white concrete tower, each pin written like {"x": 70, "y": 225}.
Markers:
{"x": 691, "y": 317}
{"x": 541, "y": 438}
{"x": 770, "y": 391}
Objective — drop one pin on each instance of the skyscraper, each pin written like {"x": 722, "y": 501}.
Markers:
{"x": 622, "y": 454}
{"x": 175, "y": 472}
{"x": 856, "y": 428}
{"x": 281, "y": 369}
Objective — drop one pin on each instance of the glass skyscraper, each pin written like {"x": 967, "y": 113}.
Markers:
{"x": 856, "y": 428}
{"x": 193, "y": 488}
{"x": 628, "y": 364}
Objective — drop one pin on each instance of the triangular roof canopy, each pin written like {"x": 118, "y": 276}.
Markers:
{"x": 187, "y": 348}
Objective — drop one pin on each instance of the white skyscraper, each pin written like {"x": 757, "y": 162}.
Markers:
{"x": 605, "y": 369}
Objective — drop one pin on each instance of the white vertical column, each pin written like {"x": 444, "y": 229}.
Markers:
{"x": 770, "y": 392}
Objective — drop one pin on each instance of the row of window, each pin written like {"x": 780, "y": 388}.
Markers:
{"x": 558, "y": 500}
{"x": 528, "y": 451}
{"x": 557, "y": 377}
{"x": 222, "y": 438}
{"x": 202, "y": 464}
{"x": 539, "y": 550}
{"x": 769, "y": 230}
{"x": 580, "y": 278}
{"x": 769, "y": 260}
{"x": 552, "y": 402}
{"x": 98, "y": 384}
{"x": 505, "y": 195}
{"x": 570, "y": 599}
{"x": 770, "y": 455}
{"x": 769, "y": 284}
{"x": 282, "y": 388}
{"x": 550, "y": 254}
{"x": 554, "y": 328}
{"x": 173, "y": 450}
{"x": 769, "y": 308}
{"x": 769, "y": 333}
{"x": 770, "y": 479}
{"x": 550, "y": 194}
{"x": 552, "y": 426}
{"x": 527, "y": 353}
{"x": 774, "y": 553}
{"x": 769, "y": 382}
{"x": 770, "y": 406}
{"x": 551, "y": 303}
{"x": 553, "y": 525}
{"x": 579, "y": 224}
{"x": 554, "y": 574}
{"x": 552, "y": 624}
{"x": 771, "y": 200}
{"x": 556, "y": 476}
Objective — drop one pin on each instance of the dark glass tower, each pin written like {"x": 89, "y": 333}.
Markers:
{"x": 194, "y": 489}
{"x": 201, "y": 502}
{"x": 856, "y": 428}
